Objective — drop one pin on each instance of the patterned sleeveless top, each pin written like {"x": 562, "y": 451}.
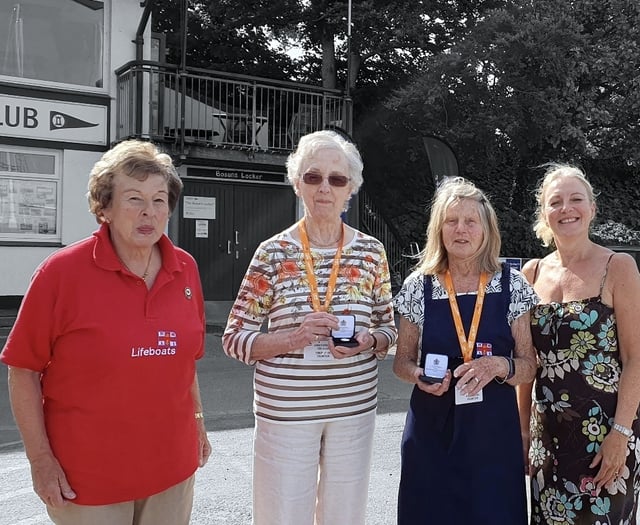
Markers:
{"x": 575, "y": 399}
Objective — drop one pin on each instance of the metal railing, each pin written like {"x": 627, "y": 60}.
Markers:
{"x": 224, "y": 110}
{"x": 372, "y": 222}
{"x": 220, "y": 109}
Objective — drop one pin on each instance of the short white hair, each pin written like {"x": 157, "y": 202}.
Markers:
{"x": 310, "y": 144}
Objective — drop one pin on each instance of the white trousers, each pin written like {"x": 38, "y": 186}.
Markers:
{"x": 308, "y": 470}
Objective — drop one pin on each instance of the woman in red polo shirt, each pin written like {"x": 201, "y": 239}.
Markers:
{"x": 102, "y": 357}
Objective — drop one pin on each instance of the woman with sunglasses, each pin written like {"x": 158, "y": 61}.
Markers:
{"x": 323, "y": 289}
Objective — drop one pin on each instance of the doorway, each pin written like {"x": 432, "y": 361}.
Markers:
{"x": 244, "y": 216}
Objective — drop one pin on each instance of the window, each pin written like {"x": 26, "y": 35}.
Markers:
{"x": 29, "y": 195}
{"x": 54, "y": 40}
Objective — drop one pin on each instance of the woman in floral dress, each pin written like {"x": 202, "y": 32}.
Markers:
{"x": 584, "y": 449}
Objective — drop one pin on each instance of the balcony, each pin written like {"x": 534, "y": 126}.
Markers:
{"x": 222, "y": 110}
{"x": 202, "y": 112}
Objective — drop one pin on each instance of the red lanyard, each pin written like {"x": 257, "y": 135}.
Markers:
{"x": 308, "y": 261}
{"x": 466, "y": 344}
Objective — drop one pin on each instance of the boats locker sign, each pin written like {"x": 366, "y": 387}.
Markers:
{"x": 42, "y": 119}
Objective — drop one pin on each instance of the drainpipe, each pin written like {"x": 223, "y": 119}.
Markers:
{"x": 139, "y": 42}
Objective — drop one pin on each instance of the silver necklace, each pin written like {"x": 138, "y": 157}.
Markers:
{"x": 324, "y": 245}
{"x": 145, "y": 274}
{"x": 321, "y": 245}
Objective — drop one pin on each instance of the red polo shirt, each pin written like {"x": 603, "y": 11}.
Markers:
{"x": 117, "y": 363}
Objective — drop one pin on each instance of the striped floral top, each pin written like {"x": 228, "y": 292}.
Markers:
{"x": 290, "y": 388}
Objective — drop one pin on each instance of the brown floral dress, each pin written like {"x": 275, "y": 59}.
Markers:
{"x": 574, "y": 403}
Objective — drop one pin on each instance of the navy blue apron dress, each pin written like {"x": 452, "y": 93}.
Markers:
{"x": 463, "y": 465}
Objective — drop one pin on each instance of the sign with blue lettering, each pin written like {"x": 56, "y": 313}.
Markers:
{"x": 513, "y": 262}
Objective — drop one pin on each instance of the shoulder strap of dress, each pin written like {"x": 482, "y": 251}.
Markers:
{"x": 535, "y": 271}
{"x": 606, "y": 271}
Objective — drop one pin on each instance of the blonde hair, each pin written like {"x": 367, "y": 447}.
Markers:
{"x": 554, "y": 172}
{"x": 434, "y": 259}
{"x": 133, "y": 158}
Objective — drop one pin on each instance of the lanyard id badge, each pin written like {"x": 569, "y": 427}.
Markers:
{"x": 308, "y": 262}
{"x": 319, "y": 350}
{"x": 467, "y": 343}
{"x": 465, "y": 399}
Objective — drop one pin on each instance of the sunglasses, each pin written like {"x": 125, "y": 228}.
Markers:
{"x": 339, "y": 181}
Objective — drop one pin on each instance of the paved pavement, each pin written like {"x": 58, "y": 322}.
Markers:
{"x": 223, "y": 486}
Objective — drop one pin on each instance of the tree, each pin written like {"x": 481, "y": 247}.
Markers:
{"x": 533, "y": 82}
{"x": 509, "y": 84}
{"x": 224, "y": 35}
{"x": 390, "y": 38}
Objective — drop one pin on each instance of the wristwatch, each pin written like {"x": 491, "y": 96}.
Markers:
{"x": 622, "y": 429}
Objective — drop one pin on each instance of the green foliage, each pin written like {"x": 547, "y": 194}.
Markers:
{"x": 510, "y": 85}
{"x": 390, "y": 39}
{"x": 397, "y": 175}
{"x": 533, "y": 82}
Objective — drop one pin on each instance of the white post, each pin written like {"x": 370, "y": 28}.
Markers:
{"x": 348, "y": 90}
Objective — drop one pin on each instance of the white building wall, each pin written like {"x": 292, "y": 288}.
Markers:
{"x": 77, "y": 221}
{"x": 18, "y": 262}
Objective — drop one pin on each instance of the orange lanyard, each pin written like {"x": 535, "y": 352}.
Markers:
{"x": 466, "y": 344}
{"x": 308, "y": 261}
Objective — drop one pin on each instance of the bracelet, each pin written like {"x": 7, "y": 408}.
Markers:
{"x": 199, "y": 415}
{"x": 375, "y": 343}
{"x": 511, "y": 371}
{"x": 625, "y": 431}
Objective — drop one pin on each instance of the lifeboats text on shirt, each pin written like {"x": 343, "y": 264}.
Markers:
{"x": 167, "y": 345}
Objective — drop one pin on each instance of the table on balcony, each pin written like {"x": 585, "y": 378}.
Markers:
{"x": 239, "y": 129}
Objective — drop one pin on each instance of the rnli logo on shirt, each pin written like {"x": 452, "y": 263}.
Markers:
{"x": 167, "y": 345}
{"x": 167, "y": 339}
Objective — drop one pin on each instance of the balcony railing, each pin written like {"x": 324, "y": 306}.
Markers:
{"x": 223, "y": 110}
{"x": 230, "y": 111}
{"x": 372, "y": 222}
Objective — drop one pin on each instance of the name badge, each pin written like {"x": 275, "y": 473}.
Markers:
{"x": 465, "y": 399}
{"x": 318, "y": 351}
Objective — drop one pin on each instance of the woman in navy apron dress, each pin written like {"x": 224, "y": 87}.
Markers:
{"x": 462, "y": 456}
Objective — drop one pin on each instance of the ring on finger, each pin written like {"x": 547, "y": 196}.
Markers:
{"x": 477, "y": 380}
{"x": 317, "y": 337}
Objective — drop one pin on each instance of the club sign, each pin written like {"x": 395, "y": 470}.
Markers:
{"x": 42, "y": 119}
